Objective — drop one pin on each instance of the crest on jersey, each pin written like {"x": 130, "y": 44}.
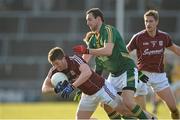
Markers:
{"x": 72, "y": 73}
{"x": 153, "y": 43}
{"x": 161, "y": 43}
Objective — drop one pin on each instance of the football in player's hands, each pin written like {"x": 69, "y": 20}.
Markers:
{"x": 61, "y": 86}
{"x": 67, "y": 91}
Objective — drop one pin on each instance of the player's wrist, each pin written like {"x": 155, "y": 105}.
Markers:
{"x": 73, "y": 86}
{"x": 56, "y": 91}
{"x": 87, "y": 51}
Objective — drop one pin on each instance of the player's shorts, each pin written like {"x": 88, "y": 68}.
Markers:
{"x": 142, "y": 89}
{"x": 158, "y": 81}
{"x": 106, "y": 95}
{"x": 127, "y": 80}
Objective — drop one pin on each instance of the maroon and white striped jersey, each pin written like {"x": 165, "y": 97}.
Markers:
{"x": 92, "y": 85}
{"x": 150, "y": 50}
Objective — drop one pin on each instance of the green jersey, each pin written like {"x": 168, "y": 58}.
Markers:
{"x": 120, "y": 60}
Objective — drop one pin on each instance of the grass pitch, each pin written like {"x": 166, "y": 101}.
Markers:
{"x": 58, "y": 110}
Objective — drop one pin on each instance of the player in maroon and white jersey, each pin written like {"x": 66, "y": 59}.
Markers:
{"x": 150, "y": 45}
{"x": 94, "y": 87}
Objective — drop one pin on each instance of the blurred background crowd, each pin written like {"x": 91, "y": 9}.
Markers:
{"x": 30, "y": 28}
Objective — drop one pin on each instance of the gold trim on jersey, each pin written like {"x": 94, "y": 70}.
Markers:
{"x": 109, "y": 32}
{"x": 125, "y": 55}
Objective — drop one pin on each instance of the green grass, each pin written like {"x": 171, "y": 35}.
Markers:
{"x": 57, "y": 110}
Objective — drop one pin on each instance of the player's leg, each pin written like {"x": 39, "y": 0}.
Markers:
{"x": 161, "y": 86}
{"x": 156, "y": 102}
{"x": 83, "y": 114}
{"x": 141, "y": 101}
{"x": 167, "y": 95}
{"x": 140, "y": 95}
{"x": 128, "y": 95}
{"x": 112, "y": 114}
{"x": 110, "y": 99}
{"x": 86, "y": 107}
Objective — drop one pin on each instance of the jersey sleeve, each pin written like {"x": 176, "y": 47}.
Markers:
{"x": 109, "y": 35}
{"x": 98, "y": 67}
{"x": 132, "y": 44}
{"x": 169, "y": 41}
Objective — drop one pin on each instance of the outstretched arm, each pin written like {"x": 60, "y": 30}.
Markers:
{"x": 175, "y": 48}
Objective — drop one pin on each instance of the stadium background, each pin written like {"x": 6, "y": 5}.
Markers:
{"x": 30, "y": 28}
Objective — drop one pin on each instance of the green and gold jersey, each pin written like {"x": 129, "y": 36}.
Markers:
{"x": 120, "y": 60}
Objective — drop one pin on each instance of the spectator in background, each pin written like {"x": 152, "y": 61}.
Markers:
{"x": 150, "y": 45}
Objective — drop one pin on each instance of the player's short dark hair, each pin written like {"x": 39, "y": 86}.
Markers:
{"x": 55, "y": 53}
{"x": 152, "y": 13}
{"x": 96, "y": 12}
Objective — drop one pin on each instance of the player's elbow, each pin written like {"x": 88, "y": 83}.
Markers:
{"x": 44, "y": 89}
{"x": 109, "y": 53}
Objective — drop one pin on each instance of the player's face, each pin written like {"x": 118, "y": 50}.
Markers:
{"x": 92, "y": 22}
{"x": 59, "y": 64}
{"x": 150, "y": 23}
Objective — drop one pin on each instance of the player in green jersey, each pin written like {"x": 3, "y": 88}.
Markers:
{"x": 105, "y": 42}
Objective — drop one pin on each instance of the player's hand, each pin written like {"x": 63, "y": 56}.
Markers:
{"x": 67, "y": 91}
{"x": 88, "y": 36}
{"x": 143, "y": 77}
{"x": 60, "y": 86}
{"x": 77, "y": 96}
{"x": 80, "y": 49}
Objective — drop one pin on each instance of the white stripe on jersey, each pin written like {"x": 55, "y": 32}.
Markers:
{"x": 77, "y": 59}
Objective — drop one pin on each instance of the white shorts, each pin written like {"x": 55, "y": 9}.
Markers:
{"x": 158, "y": 81}
{"x": 121, "y": 81}
{"x": 142, "y": 89}
{"x": 106, "y": 94}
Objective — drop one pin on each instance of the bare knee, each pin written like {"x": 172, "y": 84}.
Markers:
{"x": 107, "y": 108}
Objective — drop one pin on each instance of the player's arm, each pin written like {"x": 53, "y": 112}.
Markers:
{"x": 84, "y": 76}
{"x": 47, "y": 86}
{"x": 175, "y": 48}
{"x": 104, "y": 51}
{"x": 87, "y": 57}
{"x": 132, "y": 44}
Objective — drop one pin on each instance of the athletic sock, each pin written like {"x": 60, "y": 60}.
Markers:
{"x": 175, "y": 114}
{"x": 137, "y": 111}
{"x": 129, "y": 118}
{"x": 114, "y": 115}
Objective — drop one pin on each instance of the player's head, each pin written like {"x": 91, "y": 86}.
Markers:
{"x": 56, "y": 57}
{"x": 151, "y": 20}
{"x": 94, "y": 18}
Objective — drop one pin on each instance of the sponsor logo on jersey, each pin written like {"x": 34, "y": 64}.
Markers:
{"x": 153, "y": 52}
{"x": 153, "y": 43}
{"x": 72, "y": 73}
{"x": 145, "y": 43}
